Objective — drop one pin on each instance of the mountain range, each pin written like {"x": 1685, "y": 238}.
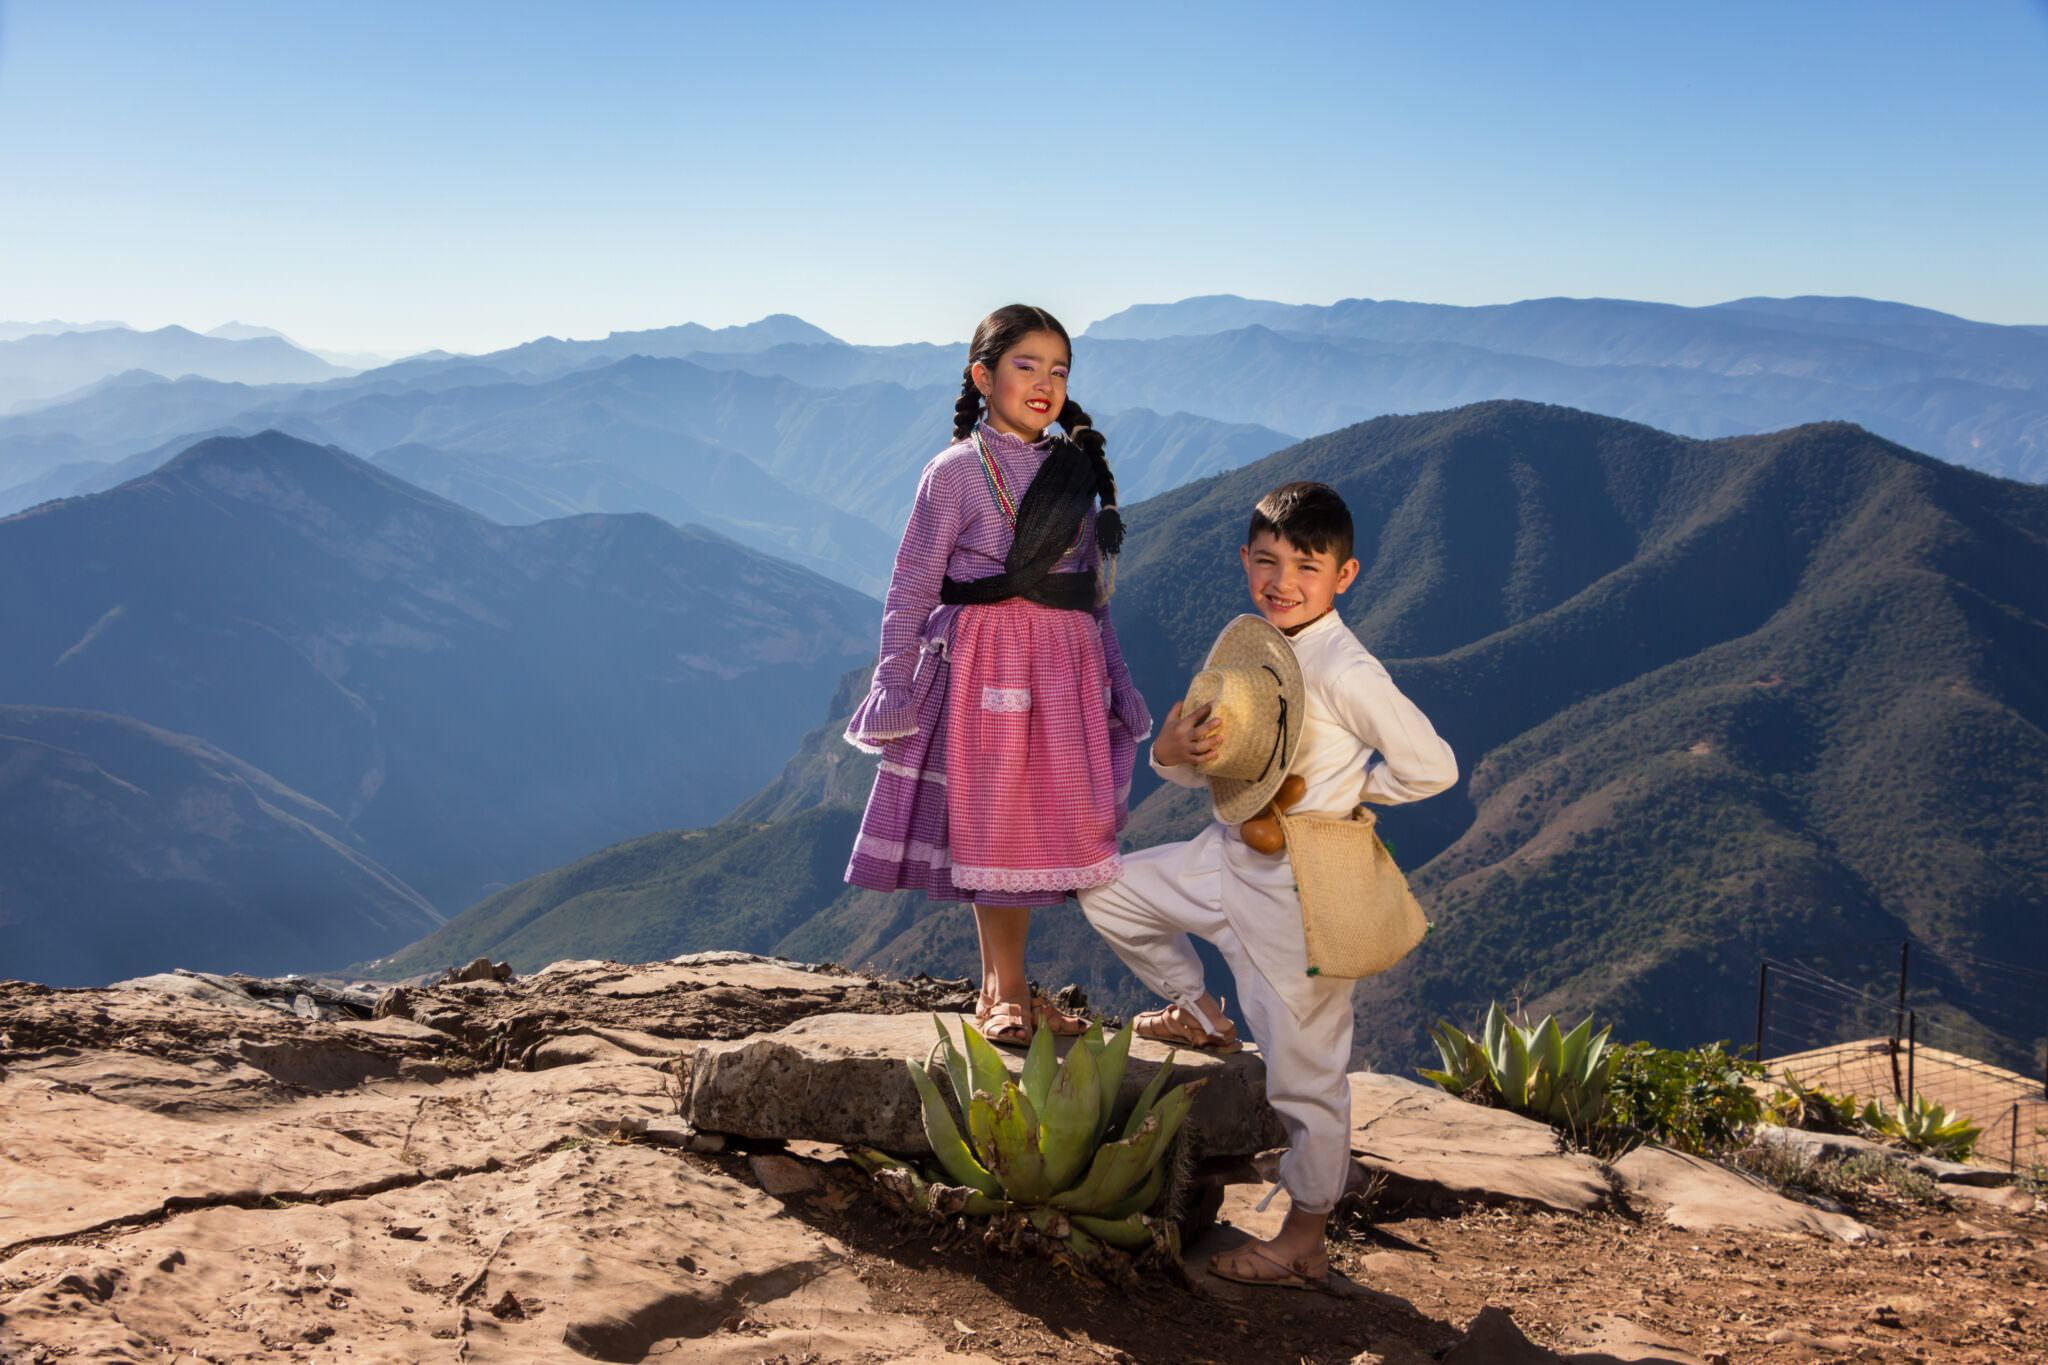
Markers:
{"x": 347, "y": 360}
{"x": 808, "y": 448}
{"x": 463, "y": 703}
{"x": 763, "y": 459}
{"x": 1715, "y": 700}
{"x": 42, "y": 366}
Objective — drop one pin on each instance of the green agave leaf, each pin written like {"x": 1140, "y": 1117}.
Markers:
{"x": 1143, "y": 1197}
{"x": 1128, "y": 1233}
{"x": 1571, "y": 1053}
{"x": 1116, "y": 1168}
{"x": 1442, "y": 1078}
{"x": 1452, "y": 1046}
{"x": 1514, "y": 1071}
{"x": 1149, "y": 1096}
{"x": 1600, "y": 1058}
{"x": 956, "y": 1067}
{"x": 1041, "y": 1062}
{"x": 1067, "y": 1123}
{"x": 1546, "y": 1062}
{"x": 1174, "y": 1109}
{"x": 984, "y": 1063}
{"x": 1110, "y": 1065}
{"x": 1016, "y": 1158}
{"x": 1493, "y": 1037}
{"x": 948, "y": 1146}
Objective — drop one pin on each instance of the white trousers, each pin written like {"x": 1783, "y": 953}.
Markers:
{"x": 1147, "y": 917}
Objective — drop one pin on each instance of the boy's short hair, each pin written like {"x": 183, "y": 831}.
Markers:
{"x": 1308, "y": 516}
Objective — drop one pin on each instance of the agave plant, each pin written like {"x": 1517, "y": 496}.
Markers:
{"x": 1925, "y": 1126}
{"x": 1040, "y": 1147}
{"x": 1541, "y": 1071}
{"x": 1798, "y": 1105}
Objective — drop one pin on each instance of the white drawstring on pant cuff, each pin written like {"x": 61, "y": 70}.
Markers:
{"x": 1191, "y": 1003}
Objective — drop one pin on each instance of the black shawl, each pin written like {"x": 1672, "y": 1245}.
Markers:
{"x": 1048, "y": 518}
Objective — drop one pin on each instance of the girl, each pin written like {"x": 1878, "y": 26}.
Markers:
{"x": 1002, "y": 709}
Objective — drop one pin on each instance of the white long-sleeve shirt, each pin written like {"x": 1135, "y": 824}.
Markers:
{"x": 1361, "y": 735}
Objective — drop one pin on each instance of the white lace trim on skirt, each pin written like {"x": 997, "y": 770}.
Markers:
{"x": 1038, "y": 878}
{"x": 1006, "y": 699}
{"x": 914, "y": 774}
{"x": 893, "y": 851}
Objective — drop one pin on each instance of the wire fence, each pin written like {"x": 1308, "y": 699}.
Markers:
{"x": 1845, "y": 1038}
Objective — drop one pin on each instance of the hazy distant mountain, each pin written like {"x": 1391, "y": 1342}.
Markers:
{"x": 1971, "y": 392}
{"x": 836, "y": 365}
{"x": 347, "y": 360}
{"x": 476, "y": 702}
{"x": 822, "y": 477}
{"x": 1767, "y": 694}
{"x": 752, "y": 508}
{"x": 15, "y": 331}
{"x": 843, "y": 430}
{"x": 551, "y": 356}
{"x": 125, "y": 850}
{"x": 1859, "y": 341}
{"x": 42, "y": 367}
{"x": 1152, "y": 452}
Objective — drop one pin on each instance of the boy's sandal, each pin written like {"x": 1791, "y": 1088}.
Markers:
{"x": 1001, "y": 1022}
{"x": 1183, "y": 1027}
{"x": 1045, "y": 1014}
{"x": 1248, "y": 1264}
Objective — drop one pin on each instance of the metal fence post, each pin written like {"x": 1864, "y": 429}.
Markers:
{"x": 1912, "y": 1046}
{"x": 1763, "y": 995}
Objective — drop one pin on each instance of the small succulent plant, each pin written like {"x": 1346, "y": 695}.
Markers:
{"x": 1541, "y": 1071}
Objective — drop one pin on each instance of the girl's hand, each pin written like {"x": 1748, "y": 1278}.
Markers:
{"x": 1187, "y": 739}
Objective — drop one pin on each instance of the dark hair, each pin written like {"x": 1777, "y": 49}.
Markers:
{"x": 1308, "y": 516}
{"x": 1000, "y": 331}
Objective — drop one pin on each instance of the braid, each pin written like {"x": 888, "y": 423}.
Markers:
{"x": 1109, "y": 523}
{"x": 968, "y": 407}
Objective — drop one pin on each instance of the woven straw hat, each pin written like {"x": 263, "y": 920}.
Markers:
{"x": 1254, "y": 681}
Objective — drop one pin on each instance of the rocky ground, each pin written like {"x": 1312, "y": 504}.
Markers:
{"x": 505, "y": 1170}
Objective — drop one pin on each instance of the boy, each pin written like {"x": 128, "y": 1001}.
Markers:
{"x": 1359, "y": 735}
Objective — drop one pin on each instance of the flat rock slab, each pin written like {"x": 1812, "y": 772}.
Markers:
{"x": 605, "y": 1252}
{"x": 755, "y": 973}
{"x": 72, "y": 1158}
{"x": 1836, "y": 1146}
{"x": 1434, "y": 1149}
{"x": 1699, "y": 1194}
{"x": 840, "y": 1078}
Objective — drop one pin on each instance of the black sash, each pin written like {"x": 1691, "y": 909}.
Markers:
{"x": 1047, "y": 519}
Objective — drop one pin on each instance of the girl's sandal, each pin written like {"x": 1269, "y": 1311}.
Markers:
{"x": 1045, "y": 1014}
{"x": 1001, "y": 1022}
{"x": 1183, "y": 1027}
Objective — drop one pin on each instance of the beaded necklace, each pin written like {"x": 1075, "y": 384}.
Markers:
{"x": 999, "y": 489}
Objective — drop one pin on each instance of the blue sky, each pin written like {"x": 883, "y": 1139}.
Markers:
{"x": 398, "y": 176}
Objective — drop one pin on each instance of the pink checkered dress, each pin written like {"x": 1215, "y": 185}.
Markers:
{"x": 1007, "y": 732}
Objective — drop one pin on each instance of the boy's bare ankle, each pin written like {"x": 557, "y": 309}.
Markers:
{"x": 1300, "y": 1239}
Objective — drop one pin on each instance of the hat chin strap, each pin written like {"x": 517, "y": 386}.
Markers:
{"x": 1280, "y": 736}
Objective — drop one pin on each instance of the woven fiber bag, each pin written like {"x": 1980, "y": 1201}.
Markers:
{"x": 1356, "y": 910}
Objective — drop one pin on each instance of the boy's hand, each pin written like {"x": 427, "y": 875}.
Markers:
{"x": 1192, "y": 738}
